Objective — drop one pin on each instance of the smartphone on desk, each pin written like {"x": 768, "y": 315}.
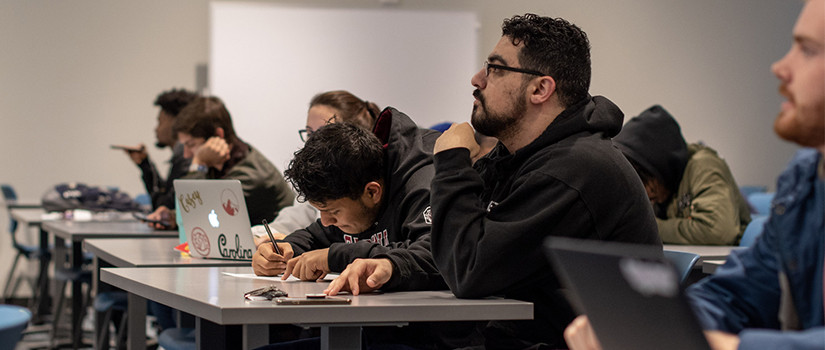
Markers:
{"x": 144, "y": 218}
{"x": 313, "y": 300}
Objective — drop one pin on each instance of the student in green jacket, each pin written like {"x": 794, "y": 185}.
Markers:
{"x": 205, "y": 129}
{"x": 693, "y": 193}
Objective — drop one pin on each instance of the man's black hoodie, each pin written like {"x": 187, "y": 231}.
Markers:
{"x": 489, "y": 223}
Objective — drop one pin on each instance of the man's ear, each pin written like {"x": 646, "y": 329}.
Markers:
{"x": 542, "y": 89}
{"x": 373, "y": 191}
{"x": 219, "y": 132}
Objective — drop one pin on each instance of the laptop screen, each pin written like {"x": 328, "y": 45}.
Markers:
{"x": 630, "y": 293}
{"x": 215, "y": 219}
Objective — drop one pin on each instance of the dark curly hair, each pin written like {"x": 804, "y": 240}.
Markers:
{"x": 173, "y": 101}
{"x": 336, "y": 162}
{"x": 556, "y": 48}
{"x": 351, "y": 107}
{"x": 202, "y": 117}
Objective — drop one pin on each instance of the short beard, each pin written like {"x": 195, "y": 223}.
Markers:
{"x": 791, "y": 129}
{"x": 498, "y": 125}
{"x": 804, "y": 126}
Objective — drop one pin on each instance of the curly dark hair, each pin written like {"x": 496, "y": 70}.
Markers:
{"x": 202, "y": 117}
{"x": 556, "y": 48}
{"x": 351, "y": 107}
{"x": 336, "y": 162}
{"x": 173, "y": 101}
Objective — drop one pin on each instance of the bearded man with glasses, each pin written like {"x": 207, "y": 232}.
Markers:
{"x": 555, "y": 172}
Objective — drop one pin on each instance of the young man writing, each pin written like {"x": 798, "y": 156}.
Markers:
{"x": 373, "y": 195}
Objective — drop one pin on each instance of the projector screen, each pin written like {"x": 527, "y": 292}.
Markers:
{"x": 268, "y": 60}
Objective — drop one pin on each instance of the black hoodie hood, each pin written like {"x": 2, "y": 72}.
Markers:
{"x": 654, "y": 141}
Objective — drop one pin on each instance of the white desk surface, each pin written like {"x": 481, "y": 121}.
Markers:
{"x": 28, "y": 216}
{"x": 155, "y": 252}
{"x": 214, "y": 297}
{"x": 36, "y": 216}
{"x": 705, "y": 252}
{"x": 79, "y": 230}
{"x": 206, "y": 292}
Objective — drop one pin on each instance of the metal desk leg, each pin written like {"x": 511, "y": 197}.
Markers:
{"x": 42, "y": 307}
{"x": 77, "y": 296}
{"x": 60, "y": 255}
{"x": 137, "y": 322}
{"x": 210, "y": 335}
{"x": 348, "y": 338}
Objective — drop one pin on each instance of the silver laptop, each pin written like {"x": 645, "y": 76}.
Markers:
{"x": 215, "y": 219}
{"x": 630, "y": 293}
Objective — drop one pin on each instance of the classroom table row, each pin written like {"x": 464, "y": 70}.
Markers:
{"x": 214, "y": 295}
{"x": 68, "y": 254}
{"x": 146, "y": 266}
{"x": 142, "y": 253}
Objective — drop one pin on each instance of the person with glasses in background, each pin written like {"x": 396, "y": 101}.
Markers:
{"x": 336, "y": 106}
{"x": 205, "y": 129}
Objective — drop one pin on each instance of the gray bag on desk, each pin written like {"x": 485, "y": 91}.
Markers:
{"x": 68, "y": 196}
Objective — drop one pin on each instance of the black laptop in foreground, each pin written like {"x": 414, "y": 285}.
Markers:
{"x": 630, "y": 293}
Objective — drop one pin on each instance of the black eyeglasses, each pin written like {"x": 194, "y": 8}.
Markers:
{"x": 304, "y": 133}
{"x": 488, "y": 66}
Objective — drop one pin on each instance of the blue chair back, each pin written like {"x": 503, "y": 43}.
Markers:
{"x": 8, "y": 193}
{"x": 10, "y": 197}
{"x": 13, "y": 320}
{"x": 753, "y": 231}
{"x": 441, "y": 126}
{"x": 748, "y": 190}
{"x": 143, "y": 199}
{"x": 683, "y": 261}
{"x": 761, "y": 202}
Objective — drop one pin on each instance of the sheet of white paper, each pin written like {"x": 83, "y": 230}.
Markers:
{"x": 328, "y": 277}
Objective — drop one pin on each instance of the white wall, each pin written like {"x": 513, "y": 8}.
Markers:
{"x": 268, "y": 60}
{"x": 77, "y": 76}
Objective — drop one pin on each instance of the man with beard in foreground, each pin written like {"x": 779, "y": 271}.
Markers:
{"x": 770, "y": 296}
